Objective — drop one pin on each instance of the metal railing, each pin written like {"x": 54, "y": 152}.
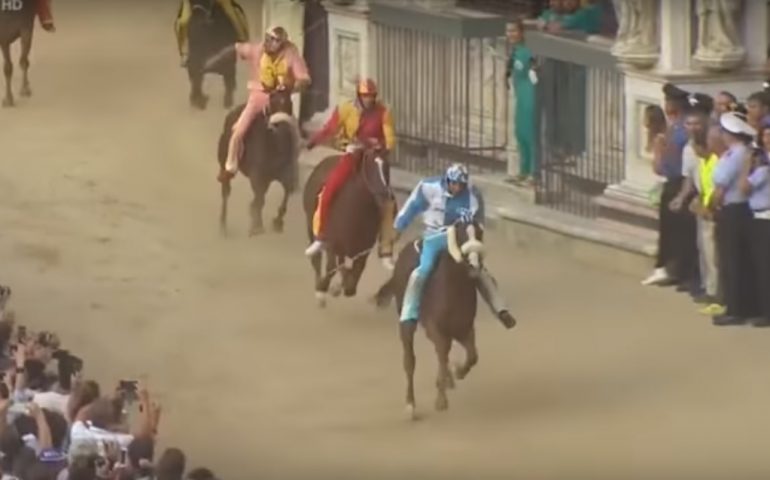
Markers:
{"x": 582, "y": 123}
{"x": 448, "y": 97}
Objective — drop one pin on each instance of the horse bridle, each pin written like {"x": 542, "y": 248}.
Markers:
{"x": 209, "y": 12}
{"x": 380, "y": 162}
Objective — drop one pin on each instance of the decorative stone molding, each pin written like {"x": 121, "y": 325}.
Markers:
{"x": 637, "y": 44}
{"x": 719, "y": 47}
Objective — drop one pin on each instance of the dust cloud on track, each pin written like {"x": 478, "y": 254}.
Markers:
{"x": 108, "y": 234}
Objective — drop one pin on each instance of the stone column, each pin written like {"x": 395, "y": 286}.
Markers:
{"x": 674, "y": 19}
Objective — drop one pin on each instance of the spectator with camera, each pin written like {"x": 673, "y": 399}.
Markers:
{"x": 103, "y": 420}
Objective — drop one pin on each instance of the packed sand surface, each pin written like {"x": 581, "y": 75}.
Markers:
{"x": 108, "y": 235}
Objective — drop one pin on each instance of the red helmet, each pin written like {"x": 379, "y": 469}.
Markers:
{"x": 366, "y": 86}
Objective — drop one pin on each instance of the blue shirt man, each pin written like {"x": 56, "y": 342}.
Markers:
{"x": 442, "y": 201}
{"x": 759, "y": 199}
{"x": 728, "y": 171}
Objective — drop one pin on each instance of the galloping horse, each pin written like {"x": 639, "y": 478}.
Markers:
{"x": 448, "y": 308}
{"x": 209, "y": 32}
{"x": 353, "y": 222}
{"x": 270, "y": 153}
{"x": 16, "y": 23}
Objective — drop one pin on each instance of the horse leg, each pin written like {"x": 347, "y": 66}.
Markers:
{"x": 443, "y": 344}
{"x": 8, "y": 100}
{"x": 406, "y": 330}
{"x": 259, "y": 187}
{"x": 471, "y": 355}
{"x": 26, "y": 47}
{"x": 226, "y": 189}
{"x": 323, "y": 280}
{"x": 278, "y": 220}
{"x": 353, "y": 276}
{"x": 197, "y": 98}
{"x": 229, "y": 81}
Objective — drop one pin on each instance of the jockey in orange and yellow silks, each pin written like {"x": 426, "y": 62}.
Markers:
{"x": 363, "y": 121}
{"x": 232, "y": 10}
{"x": 275, "y": 65}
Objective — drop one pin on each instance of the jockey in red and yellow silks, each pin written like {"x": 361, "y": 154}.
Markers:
{"x": 275, "y": 64}
{"x": 43, "y": 11}
{"x": 362, "y": 121}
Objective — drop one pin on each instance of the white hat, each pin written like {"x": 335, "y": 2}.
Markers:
{"x": 734, "y": 123}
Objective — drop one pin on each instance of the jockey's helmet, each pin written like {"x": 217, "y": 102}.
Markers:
{"x": 275, "y": 38}
{"x": 457, "y": 173}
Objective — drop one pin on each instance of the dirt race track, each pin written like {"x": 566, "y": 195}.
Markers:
{"x": 108, "y": 235}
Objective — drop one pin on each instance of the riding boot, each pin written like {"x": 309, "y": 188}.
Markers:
{"x": 315, "y": 247}
{"x": 180, "y": 26}
{"x": 487, "y": 287}
{"x": 387, "y": 233}
{"x": 410, "y": 310}
{"x": 44, "y": 14}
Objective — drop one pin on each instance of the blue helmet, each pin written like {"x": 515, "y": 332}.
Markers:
{"x": 457, "y": 173}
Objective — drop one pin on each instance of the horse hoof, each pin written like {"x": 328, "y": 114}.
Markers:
{"x": 25, "y": 92}
{"x": 278, "y": 226}
{"x": 459, "y": 372}
{"x": 335, "y": 290}
{"x": 442, "y": 403}
{"x": 199, "y": 102}
{"x": 411, "y": 412}
{"x": 256, "y": 231}
{"x": 320, "y": 298}
{"x": 8, "y": 102}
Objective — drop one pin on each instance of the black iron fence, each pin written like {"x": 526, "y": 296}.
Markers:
{"x": 582, "y": 123}
{"x": 445, "y": 85}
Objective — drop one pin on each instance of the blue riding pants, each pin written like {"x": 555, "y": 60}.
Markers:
{"x": 432, "y": 246}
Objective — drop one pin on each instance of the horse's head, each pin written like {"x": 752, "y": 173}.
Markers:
{"x": 465, "y": 242}
{"x": 374, "y": 170}
{"x": 280, "y": 101}
{"x": 202, "y": 9}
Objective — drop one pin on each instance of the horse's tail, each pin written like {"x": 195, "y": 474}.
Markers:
{"x": 291, "y": 123}
{"x": 385, "y": 294}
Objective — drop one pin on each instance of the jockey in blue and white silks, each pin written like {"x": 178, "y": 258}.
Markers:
{"x": 443, "y": 200}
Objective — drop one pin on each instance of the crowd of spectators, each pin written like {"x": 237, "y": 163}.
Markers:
{"x": 56, "y": 425}
{"x": 714, "y": 201}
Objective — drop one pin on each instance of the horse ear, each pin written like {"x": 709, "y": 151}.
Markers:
{"x": 452, "y": 247}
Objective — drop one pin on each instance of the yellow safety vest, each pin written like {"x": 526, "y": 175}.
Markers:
{"x": 706, "y": 168}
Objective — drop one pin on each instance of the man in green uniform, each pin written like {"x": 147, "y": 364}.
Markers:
{"x": 521, "y": 73}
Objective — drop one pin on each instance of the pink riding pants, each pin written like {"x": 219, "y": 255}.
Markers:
{"x": 257, "y": 102}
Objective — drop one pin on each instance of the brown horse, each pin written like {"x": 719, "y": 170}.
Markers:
{"x": 353, "y": 222}
{"x": 17, "y": 21}
{"x": 270, "y": 153}
{"x": 448, "y": 307}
